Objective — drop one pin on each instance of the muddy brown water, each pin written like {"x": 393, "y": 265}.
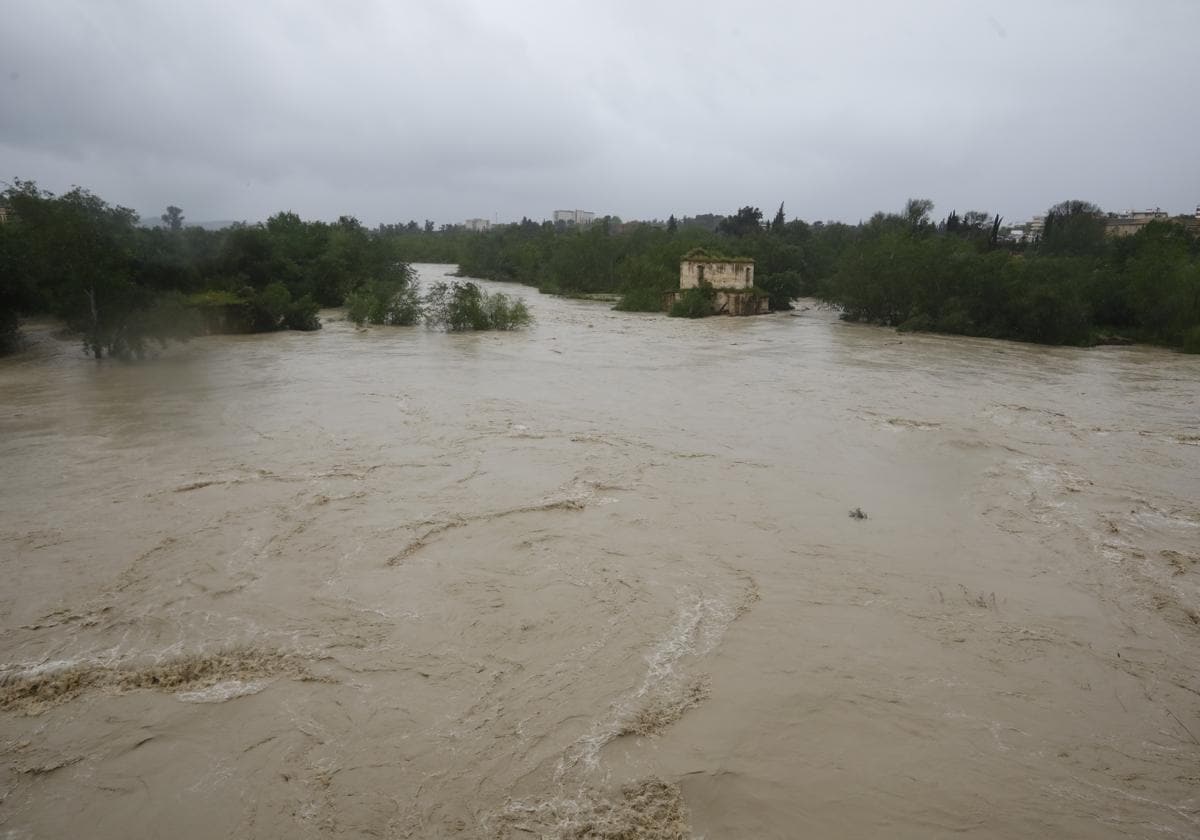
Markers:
{"x": 598, "y": 579}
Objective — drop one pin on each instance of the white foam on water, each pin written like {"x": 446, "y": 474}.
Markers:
{"x": 27, "y": 671}
{"x": 222, "y": 691}
{"x": 698, "y": 628}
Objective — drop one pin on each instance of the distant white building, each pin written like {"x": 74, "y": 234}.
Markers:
{"x": 1130, "y": 222}
{"x": 577, "y": 217}
{"x": 477, "y": 224}
{"x": 1029, "y": 231}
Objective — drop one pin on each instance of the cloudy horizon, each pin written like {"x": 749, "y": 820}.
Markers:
{"x": 447, "y": 111}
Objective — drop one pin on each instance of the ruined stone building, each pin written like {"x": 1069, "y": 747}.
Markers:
{"x": 730, "y": 278}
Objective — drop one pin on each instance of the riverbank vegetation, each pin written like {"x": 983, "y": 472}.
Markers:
{"x": 1073, "y": 284}
{"x": 124, "y": 288}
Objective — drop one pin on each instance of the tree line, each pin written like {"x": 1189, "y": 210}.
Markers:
{"x": 1072, "y": 284}
{"x": 639, "y": 262}
{"x": 124, "y": 288}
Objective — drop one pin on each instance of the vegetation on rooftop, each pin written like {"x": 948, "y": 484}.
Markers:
{"x": 705, "y": 255}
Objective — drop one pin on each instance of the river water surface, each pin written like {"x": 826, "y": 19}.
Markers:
{"x": 599, "y": 579}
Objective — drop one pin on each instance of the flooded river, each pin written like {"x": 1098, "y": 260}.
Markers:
{"x": 599, "y": 579}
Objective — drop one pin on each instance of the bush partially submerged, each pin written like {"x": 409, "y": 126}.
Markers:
{"x": 640, "y": 300}
{"x": 457, "y": 307}
{"x": 254, "y": 310}
{"x": 454, "y": 307}
{"x": 273, "y": 309}
{"x": 781, "y": 288}
{"x": 395, "y": 303}
{"x": 129, "y": 333}
{"x": 693, "y": 303}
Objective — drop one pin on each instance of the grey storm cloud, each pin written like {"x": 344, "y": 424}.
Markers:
{"x": 448, "y": 110}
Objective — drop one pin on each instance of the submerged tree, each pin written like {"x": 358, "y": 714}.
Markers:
{"x": 78, "y": 255}
{"x": 458, "y": 307}
{"x": 394, "y": 302}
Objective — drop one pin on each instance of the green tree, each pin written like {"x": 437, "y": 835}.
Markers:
{"x": 917, "y": 213}
{"x": 458, "y": 307}
{"x": 1073, "y": 228}
{"x": 79, "y": 250}
{"x": 747, "y": 221}
{"x": 781, "y": 288}
{"x": 173, "y": 218}
{"x": 395, "y": 303}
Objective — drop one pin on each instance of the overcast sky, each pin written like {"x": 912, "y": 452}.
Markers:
{"x": 449, "y": 109}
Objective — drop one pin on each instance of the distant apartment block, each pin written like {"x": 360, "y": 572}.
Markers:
{"x": 477, "y": 224}
{"x": 1029, "y": 231}
{"x": 1115, "y": 224}
{"x": 1130, "y": 222}
{"x": 575, "y": 217}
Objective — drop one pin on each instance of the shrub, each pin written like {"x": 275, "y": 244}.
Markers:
{"x": 640, "y": 300}
{"x": 458, "y": 307}
{"x": 693, "y": 303}
{"x": 214, "y": 298}
{"x": 505, "y": 314}
{"x": 393, "y": 304}
{"x": 266, "y": 310}
{"x": 917, "y": 323}
{"x": 269, "y": 306}
{"x": 781, "y": 288}
{"x": 302, "y": 315}
{"x": 955, "y": 321}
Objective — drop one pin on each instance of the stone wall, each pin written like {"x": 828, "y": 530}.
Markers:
{"x": 729, "y": 302}
{"x": 719, "y": 275}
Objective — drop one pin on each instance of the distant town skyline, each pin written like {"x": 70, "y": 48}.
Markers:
{"x": 467, "y": 109}
{"x": 484, "y": 224}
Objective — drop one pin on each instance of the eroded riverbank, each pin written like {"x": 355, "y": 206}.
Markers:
{"x": 504, "y": 585}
